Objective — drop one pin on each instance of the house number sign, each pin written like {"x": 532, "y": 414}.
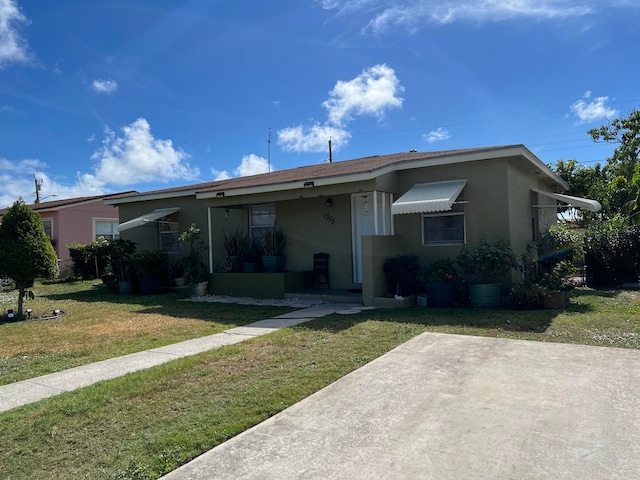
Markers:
{"x": 329, "y": 218}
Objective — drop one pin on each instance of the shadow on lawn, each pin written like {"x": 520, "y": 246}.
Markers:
{"x": 171, "y": 304}
{"x": 528, "y": 321}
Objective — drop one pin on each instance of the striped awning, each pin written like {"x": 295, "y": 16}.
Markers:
{"x": 429, "y": 197}
{"x": 575, "y": 202}
{"x": 147, "y": 217}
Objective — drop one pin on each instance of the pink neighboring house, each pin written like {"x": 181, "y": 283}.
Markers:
{"x": 80, "y": 220}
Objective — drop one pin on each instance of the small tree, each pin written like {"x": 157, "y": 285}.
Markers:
{"x": 25, "y": 250}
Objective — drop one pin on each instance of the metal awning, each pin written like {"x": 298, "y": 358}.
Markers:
{"x": 575, "y": 202}
{"x": 146, "y": 218}
{"x": 429, "y": 197}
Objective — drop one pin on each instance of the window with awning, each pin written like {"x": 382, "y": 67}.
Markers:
{"x": 429, "y": 197}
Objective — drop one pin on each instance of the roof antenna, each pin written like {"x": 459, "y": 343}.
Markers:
{"x": 330, "y": 155}
{"x": 269, "y": 151}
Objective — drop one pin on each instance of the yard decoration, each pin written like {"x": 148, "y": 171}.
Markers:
{"x": 25, "y": 250}
{"x": 485, "y": 264}
{"x": 273, "y": 258}
{"x": 196, "y": 274}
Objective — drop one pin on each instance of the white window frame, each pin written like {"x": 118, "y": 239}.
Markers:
{"x": 457, "y": 211}
{"x": 48, "y": 220}
{"x": 114, "y": 221}
{"x": 169, "y": 229}
{"x": 258, "y": 230}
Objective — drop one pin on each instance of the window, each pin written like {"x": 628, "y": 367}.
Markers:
{"x": 263, "y": 219}
{"x": 169, "y": 236}
{"x": 47, "y": 223}
{"x": 445, "y": 228}
{"x": 108, "y": 229}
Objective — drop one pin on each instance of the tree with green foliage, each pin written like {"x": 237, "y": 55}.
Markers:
{"x": 25, "y": 250}
{"x": 623, "y": 168}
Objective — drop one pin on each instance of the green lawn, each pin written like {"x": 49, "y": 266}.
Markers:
{"x": 148, "y": 423}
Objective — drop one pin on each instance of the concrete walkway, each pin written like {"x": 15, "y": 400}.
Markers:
{"x": 453, "y": 407}
{"x": 34, "y": 389}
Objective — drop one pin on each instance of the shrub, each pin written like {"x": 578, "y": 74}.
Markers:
{"x": 612, "y": 254}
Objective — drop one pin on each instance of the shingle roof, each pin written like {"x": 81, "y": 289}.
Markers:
{"x": 336, "y": 169}
{"x": 66, "y": 202}
{"x": 323, "y": 170}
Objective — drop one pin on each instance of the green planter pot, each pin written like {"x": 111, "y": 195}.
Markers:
{"x": 273, "y": 263}
{"x": 485, "y": 295}
{"x": 125, "y": 286}
{"x": 440, "y": 295}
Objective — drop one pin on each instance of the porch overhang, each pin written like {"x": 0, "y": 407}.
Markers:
{"x": 575, "y": 202}
{"x": 429, "y": 197}
{"x": 147, "y": 217}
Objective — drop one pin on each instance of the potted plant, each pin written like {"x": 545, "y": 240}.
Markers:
{"x": 176, "y": 271}
{"x": 485, "y": 264}
{"x": 250, "y": 258}
{"x": 440, "y": 287}
{"x": 151, "y": 268}
{"x": 234, "y": 244}
{"x": 195, "y": 270}
{"x": 273, "y": 258}
{"x": 528, "y": 295}
{"x": 121, "y": 257}
{"x": 557, "y": 285}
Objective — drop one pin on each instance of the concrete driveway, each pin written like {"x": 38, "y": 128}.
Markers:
{"x": 453, "y": 407}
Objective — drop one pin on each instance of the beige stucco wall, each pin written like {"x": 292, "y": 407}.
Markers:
{"x": 498, "y": 207}
{"x": 147, "y": 237}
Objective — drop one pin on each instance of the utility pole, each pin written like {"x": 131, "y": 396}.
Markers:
{"x": 269, "y": 151}
{"x": 38, "y": 185}
{"x": 330, "y": 154}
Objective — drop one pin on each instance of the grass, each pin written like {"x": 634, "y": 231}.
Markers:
{"x": 99, "y": 325}
{"x": 148, "y": 423}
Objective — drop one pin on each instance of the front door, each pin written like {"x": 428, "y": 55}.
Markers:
{"x": 370, "y": 215}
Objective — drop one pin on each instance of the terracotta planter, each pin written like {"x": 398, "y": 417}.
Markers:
{"x": 555, "y": 300}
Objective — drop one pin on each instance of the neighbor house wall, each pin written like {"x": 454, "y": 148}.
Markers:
{"x": 74, "y": 224}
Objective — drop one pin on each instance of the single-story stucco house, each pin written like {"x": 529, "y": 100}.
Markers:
{"x": 361, "y": 211}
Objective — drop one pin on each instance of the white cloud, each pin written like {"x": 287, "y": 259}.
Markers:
{"x": 414, "y": 15}
{"x": 13, "y": 47}
{"x": 437, "y": 135}
{"x": 18, "y": 181}
{"x": 106, "y": 86}
{"x": 587, "y": 110}
{"x": 138, "y": 157}
{"x": 249, "y": 165}
{"x": 313, "y": 138}
{"x": 370, "y": 93}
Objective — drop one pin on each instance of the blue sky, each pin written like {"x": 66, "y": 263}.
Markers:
{"x": 102, "y": 96}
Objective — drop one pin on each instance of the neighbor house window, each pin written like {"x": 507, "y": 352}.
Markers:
{"x": 47, "y": 223}
{"x": 169, "y": 236}
{"x": 108, "y": 229}
{"x": 444, "y": 228}
{"x": 263, "y": 219}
